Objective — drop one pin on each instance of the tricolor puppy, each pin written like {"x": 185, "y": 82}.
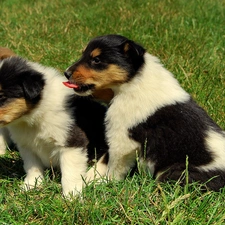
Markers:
{"x": 49, "y": 124}
{"x": 150, "y": 114}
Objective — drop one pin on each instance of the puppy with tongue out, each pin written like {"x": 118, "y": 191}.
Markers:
{"x": 70, "y": 85}
{"x": 151, "y": 116}
{"x": 104, "y": 95}
{"x": 78, "y": 88}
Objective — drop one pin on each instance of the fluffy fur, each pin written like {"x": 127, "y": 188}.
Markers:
{"x": 49, "y": 124}
{"x": 150, "y": 114}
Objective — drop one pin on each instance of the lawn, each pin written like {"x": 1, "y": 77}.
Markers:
{"x": 189, "y": 38}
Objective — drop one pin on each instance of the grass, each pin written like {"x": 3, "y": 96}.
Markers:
{"x": 188, "y": 37}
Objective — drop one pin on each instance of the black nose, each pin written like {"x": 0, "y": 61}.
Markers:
{"x": 67, "y": 74}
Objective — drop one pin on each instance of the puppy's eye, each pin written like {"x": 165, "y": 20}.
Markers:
{"x": 96, "y": 60}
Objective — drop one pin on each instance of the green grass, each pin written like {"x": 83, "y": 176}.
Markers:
{"x": 188, "y": 37}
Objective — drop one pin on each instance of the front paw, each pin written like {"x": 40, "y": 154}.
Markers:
{"x": 96, "y": 175}
{"x": 3, "y": 146}
{"x": 32, "y": 181}
{"x": 71, "y": 191}
{"x": 2, "y": 151}
{"x": 92, "y": 174}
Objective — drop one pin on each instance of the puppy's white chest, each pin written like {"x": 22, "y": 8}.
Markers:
{"x": 118, "y": 123}
{"x": 31, "y": 139}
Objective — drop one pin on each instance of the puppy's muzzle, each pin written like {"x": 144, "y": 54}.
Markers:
{"x": 68, "y": 74}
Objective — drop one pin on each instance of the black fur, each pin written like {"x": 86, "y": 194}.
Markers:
{"x": 116, "y": 50}
{"x": 90, "y": 120}
{"x": 176, "y": 126}
{"x": 213, "y": 180}
{"x": 174, "y": 132}
{"x": 19, "y": 80}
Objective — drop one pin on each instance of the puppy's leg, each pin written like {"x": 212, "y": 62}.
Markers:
{"x": 33, "y": 168}
{"x": 3, "y": 141}
{"x": 73, "y": 164}
{"x": 174, "y": 172}
{"x": 120, "y": 164}
{"x": 114, "y": 165}
{"x": 214, "y": 179}
{"x": 99, "y": 170}
{"x": 122, "y": 156}
{"x": 120, "y": 159}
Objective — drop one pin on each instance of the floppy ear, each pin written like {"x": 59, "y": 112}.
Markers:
{"x": 134, "y": 53}
{"x": 32, "y": 84}
{"x": 133, "y": 49}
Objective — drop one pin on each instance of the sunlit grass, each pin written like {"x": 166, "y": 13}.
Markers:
{"x": 188, "y": 37}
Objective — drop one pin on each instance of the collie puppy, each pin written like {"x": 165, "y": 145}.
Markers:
{"x": 150, "y": 115}
{"x": 49, "y": 124}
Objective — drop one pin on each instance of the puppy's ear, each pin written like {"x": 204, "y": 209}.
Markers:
{"x": 134, "y": 54}
{"x": 32, "y": 84}
{"x": 133, "y": 49}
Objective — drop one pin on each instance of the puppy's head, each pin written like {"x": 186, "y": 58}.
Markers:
{"x": 107, "y": 61}
{"x": 20, "y": 89}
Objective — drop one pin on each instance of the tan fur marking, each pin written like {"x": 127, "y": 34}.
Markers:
{"x": 82, "y": 74}
{"x": 96, "y": 52}
{"x": 5, "y": 53}
{"x": 126, "y": 47}
{"x": 104, "y": 95}
{"x": 13, "y": 110}
{"x": 114, "y": 74}
{"x": 104, "y": 79}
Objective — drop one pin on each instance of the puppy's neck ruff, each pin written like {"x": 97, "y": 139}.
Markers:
{"x": 153, "y": 86}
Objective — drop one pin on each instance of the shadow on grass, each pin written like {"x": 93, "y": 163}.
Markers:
{"x": 11, "y": 166}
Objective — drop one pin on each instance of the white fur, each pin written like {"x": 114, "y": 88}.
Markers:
{"x": 216, "y": 146}
{"x": 151, "y": 89}
{"x": 41, "y": 136}
{"x": 4, "y": 140}
{"x": 97, "y": 171}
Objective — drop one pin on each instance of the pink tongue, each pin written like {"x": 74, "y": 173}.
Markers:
{"x": 70, "y": 85}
